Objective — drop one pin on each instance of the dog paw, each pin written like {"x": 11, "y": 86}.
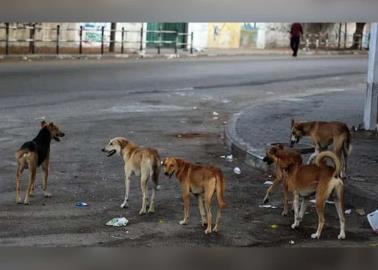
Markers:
{"x": 151, "y": 211}
{"x": 294, "y": 225}
{"x": 284, "y": 213}
{"x": 216, "y": 229}
{"x": 207, "y": 231}
{"x": 47, "y": 195}
{"x": 341, "y": 236}
{"x": 124, "y": 205}
{"x": 26, "y": 203}
{"x": 142, "y": 212}
{"x": 183, "y": 222}
{"x": 266, "y": 200}
{"x": 315, "y": 236}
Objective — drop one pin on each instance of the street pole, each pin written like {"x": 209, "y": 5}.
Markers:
{"x": 371, "y": 95}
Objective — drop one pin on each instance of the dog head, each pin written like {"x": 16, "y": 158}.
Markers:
{"x": 54, "y": 130}
{"x": 115, "y": 145}
{"x": 296, "y": 132}
{"x": 271, "y": 154}
{"x": 170, "y": 166}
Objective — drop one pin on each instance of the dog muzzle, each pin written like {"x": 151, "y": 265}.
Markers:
{"x": 108, "y": 153}
{"x": 293, "y": 140}
{"x": 268, "y": 160}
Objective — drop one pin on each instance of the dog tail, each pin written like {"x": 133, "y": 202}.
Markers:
{"x": 333, "y": 157}
{"x": 220, "y": 182}
{"x": 347, "y": 147}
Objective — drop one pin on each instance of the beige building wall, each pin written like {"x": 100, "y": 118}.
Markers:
{"x": 223, "y": 35}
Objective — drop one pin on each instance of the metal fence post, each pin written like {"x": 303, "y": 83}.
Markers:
{"x": 81, "y": 40}
{"x": 191, "y": 43}
{"x": 6, "y": 38}
{"x": 123, "y": 37}
{"x": 141, "y": 38}
{"x": 159, "y": 41}
{"x": 102, "y": 39}
{"x": 57, "y": 38}
{"x": 31, "y": 41}
{"x": 176, "y": 41}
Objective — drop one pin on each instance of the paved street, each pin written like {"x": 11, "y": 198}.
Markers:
{"x": 166, "y": 104}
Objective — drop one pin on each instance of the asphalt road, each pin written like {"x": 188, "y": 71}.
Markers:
{"x": 178, "y": 106}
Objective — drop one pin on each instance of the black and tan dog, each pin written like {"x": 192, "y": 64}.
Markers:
{"x": 143, "y": 162}
{"x": 276, "y": 154}
{"x": 34, "y": 153}
{"x": 203, "y": 182}
{"x": 318, "y": 178}
{"x": 322, "y": 135}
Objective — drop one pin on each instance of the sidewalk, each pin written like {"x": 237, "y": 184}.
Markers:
{"x": 169, "y": 53}
{"x": 250, "y": 131}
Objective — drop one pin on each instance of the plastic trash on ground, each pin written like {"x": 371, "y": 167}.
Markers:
{"x": 348, "y": 211}
{"x": 269, "y": 183}
{"x": 267, "y": 206}
{"x": 360, "y": 211}
{"x": 237, "y": 170}
{"x": 215, "y": 113}
{"x": 117, "y": 222}
{"x": 373, "y": 220}
{"x": 81, "y": 204}
{"x": 291, "y": 242}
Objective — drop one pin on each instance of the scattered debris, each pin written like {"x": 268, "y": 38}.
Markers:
{"x": 270, "y": 176}
{"x": 161, "y": 221}
{"x": 274, "y": 226}
{"x": 360, "y": 211}
{"x": 215, "y": 118}
{"x": 348, "y": 211}
{"x": 117, "y": 222}
{"x": 267, "y": 206}
{"x": 228, "y": 157}
{"x": 373, "y": 220}
{"x": 179, "y": 136}
{"x": 81, "y": 204}
{"x": 268, "y": 183}
{"x": 329, "y": 202}
{"x": 194, "y": 108}
{"x": 215, "y": 113}
{"x": 237, "y": 170}
{"x": 291, "y": 242}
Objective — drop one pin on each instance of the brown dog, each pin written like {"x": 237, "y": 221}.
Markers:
{"x": 201, "y": 181}
{"x": 303, "y": 180}
{"x": 322, "y": 135}
{"x": 276, "y": 154}
{"x": 34, "y": 153}
{"x": 143, "y": 162}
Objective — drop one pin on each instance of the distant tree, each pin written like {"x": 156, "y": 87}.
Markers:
{"x": 357, "y": 36}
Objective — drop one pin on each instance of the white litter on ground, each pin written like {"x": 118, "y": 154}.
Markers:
{"x": 348, "y": 211}
{"x": 329, "y": 202}
{"x": 215, "y": 113}
{"x": 237, "y": 170}
{"x": 117, "y": 222}
{"x": 268, "y": 183}
{"x": 267, "y": 206}
{"x": 373, "y": 220}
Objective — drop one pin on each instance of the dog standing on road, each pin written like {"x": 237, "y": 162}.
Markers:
{"x": 143, "y": 162}
{"x": 304, "y": 180}
{"x": 275, "y": 155}
{"x": 34, "y": 153}
{"x": 203, "y": 182}
{"x": 322, "y": 135}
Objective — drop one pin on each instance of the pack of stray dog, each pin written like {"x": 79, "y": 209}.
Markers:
{"x": 205, "y": 181}
{"x": 315, "y": 177}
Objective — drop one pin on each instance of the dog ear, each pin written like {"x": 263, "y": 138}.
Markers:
{"x": 43, "y": 123}
{"x": 122, "y": 143}
{"x": 51, "y": 124}
{"x": 280, "y": 146}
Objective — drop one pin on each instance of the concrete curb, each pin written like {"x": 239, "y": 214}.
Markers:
{"x": 354, "y": 195}
{"x": 40, "y": 57}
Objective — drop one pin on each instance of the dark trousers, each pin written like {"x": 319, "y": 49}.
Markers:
{"x": 294, "y": 44}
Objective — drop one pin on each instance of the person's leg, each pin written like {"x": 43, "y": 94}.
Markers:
{"x": 296, "y": 45}
{"x": 292, "y": 45}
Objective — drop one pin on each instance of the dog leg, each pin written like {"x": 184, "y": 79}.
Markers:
{"x": 45, "y": 168}
{"x": 208, "y": 195}
{"x": 20, "y": 169}
{"x": 127, "y": 190}
{"x": 33, "y": 171}
{"x": 186, "y": 199}
{"x": 286, "y": 201}
{"x": 320, "y": 204}
{"x": 202, "y": 210}
{"x": 296, "y": 210}
{"x": 143, "y": 186}
{"x": 340, "y": 210}
{"x": 303, "y": 209}
{"x": 217, "y": 220}
{"x": 151, "y": 208}
{"x": 271, "y": 189}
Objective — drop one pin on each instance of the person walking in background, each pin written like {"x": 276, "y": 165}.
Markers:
{"x": 295, "y": 35}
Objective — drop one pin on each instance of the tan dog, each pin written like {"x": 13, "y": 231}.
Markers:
{"x": 34, "y": 153}
{"x": 143, "y": 162}
{"x": 322, "y": 135}
{"x": 303, "y": 180}
{"x": 276, "y": 154}
{"x": 202, "y": 181}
